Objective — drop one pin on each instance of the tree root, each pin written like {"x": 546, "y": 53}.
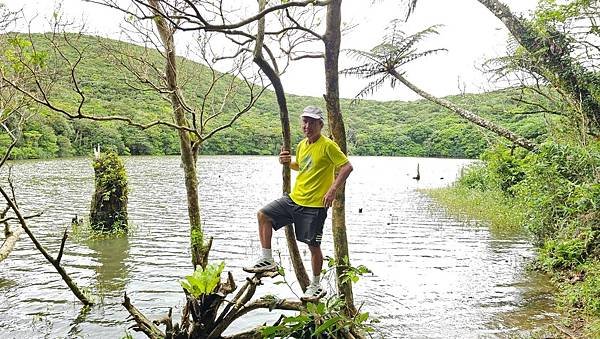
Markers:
{"x": 207, "y": 321}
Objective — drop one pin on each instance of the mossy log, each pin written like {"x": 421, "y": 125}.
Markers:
{"x": 109, "y": 202}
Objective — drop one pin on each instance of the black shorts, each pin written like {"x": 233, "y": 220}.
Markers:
{"x": 308, "y": 221}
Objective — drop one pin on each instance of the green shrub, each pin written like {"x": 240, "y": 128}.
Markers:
{"x": 584, "y": 294}
{"x": 505, "y": 166}
{"x": 570, "y": 249}
{"x": 476, "y": 176}
{"x": 559, "y": 186}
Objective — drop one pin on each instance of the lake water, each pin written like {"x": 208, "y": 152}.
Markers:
{"x": 434, "y": 276}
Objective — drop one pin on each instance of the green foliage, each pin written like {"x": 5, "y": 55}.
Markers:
{"x": 551, "y": 11}
{"x": 111, "y": 173}
{"x": 505, "y": 166}
{"x": 323, "y": 319}
{"x": 475, "y": 177}
{"x": 349, "y": 272}
{"x": 556, "y": 193}
{"x": 109, "y": 202}
{"x": 397, "y": 128}
{"x": 477, "y": 199}
{"x": 568, "y": 250}
{"x": 502, "y": 168}
{"x": 197, "y": 237}
{"x": 320, "y": 320}
{"x": 561, "y": 188}
{"x": 203, "y": 281}
{"x": 584, "y": 294}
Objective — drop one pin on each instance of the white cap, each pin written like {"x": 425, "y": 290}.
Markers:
{"x": 312, "y": 112}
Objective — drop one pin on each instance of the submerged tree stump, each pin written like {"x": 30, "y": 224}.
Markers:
{"x": 109, "y": 202}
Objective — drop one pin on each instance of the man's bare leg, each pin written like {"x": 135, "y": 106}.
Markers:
{"x": 265, "y": 232}
{"x": 265, "y": 229}
{"x": 314, "y": 290}
{"x": 316, "y": 261}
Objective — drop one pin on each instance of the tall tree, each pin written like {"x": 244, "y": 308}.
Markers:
{"x": 188, "y": 148}
{"x": 195, "y": 20}
{"x": 332, "y": 40}
{"x": 384, "y": 60}
{"x": 271, "y": 70}
{"x": 549, "y": 52}
{"x": 194, "y": 123}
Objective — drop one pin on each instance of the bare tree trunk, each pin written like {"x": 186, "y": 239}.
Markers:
{"x": 474, "y": 118}
{"x": 199, "y": 251}
{"x": 332, "y": 39}
{"x": 552, "y": 52}
{"x": 273, "y": 76}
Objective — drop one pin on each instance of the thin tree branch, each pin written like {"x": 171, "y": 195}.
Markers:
{"x": 66, "y": 278}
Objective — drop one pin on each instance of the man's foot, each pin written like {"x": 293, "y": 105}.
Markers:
{"x": 313, "y": 292}
{"x": 261, "y": 265}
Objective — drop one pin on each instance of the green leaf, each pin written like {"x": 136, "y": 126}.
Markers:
{"x": 281, "y": 271}
{"x": 203, "y": 281}
{"x": 311, "y": 308}
{"x": 361, "y": 317}
{"x": 321, "y": 308}
{"x": 326, "y": 326}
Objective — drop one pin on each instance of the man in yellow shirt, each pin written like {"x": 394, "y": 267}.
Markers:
{"x": 317, "y": 157}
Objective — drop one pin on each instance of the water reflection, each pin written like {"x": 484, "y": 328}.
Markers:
{"x": 534, "y": 310}
{"x": 112, "y": 273}
{"x": 75, "y": 330}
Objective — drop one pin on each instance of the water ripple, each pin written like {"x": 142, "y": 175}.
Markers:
{"x": 433, "y": 276}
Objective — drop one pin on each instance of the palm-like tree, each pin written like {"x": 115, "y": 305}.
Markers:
{"x": 385, "y": 60}
{"x": 550, "y": 50}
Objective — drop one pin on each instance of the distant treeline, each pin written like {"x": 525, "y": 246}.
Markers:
{"x": 417, "y": 128}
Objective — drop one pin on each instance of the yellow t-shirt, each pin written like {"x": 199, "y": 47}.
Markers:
{"x": 317, "y": 163}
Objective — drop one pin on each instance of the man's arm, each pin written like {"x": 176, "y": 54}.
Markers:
{"x": 343, "y": 174}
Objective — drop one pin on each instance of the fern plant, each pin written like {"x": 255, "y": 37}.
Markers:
{"x": 382, "y": 61}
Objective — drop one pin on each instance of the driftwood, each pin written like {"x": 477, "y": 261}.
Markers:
{"x": 10, "y": 237}
{"x": 9, "y": 241}
{"x": 210, "y": 320}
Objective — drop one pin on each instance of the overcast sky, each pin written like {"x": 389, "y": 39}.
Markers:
{"x": 470, "y": 33}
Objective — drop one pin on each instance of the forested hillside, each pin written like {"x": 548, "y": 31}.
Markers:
{"x": 417, "y": 128}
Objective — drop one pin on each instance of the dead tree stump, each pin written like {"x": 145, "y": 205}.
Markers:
{"x": 109, "y": 202}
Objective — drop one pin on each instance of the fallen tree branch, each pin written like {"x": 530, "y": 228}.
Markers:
{"x": 24, "y": 217}
{"x": 66, "y": 278}
{"x": 143, "y": 324}
{"x": 62, "y": 245}
{"x": 204, "y": 322}
{"x": 9, "y": 242}
{"x": 237, "y": 307}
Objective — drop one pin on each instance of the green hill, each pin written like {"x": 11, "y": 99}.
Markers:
{"x": 417, "y": 128}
